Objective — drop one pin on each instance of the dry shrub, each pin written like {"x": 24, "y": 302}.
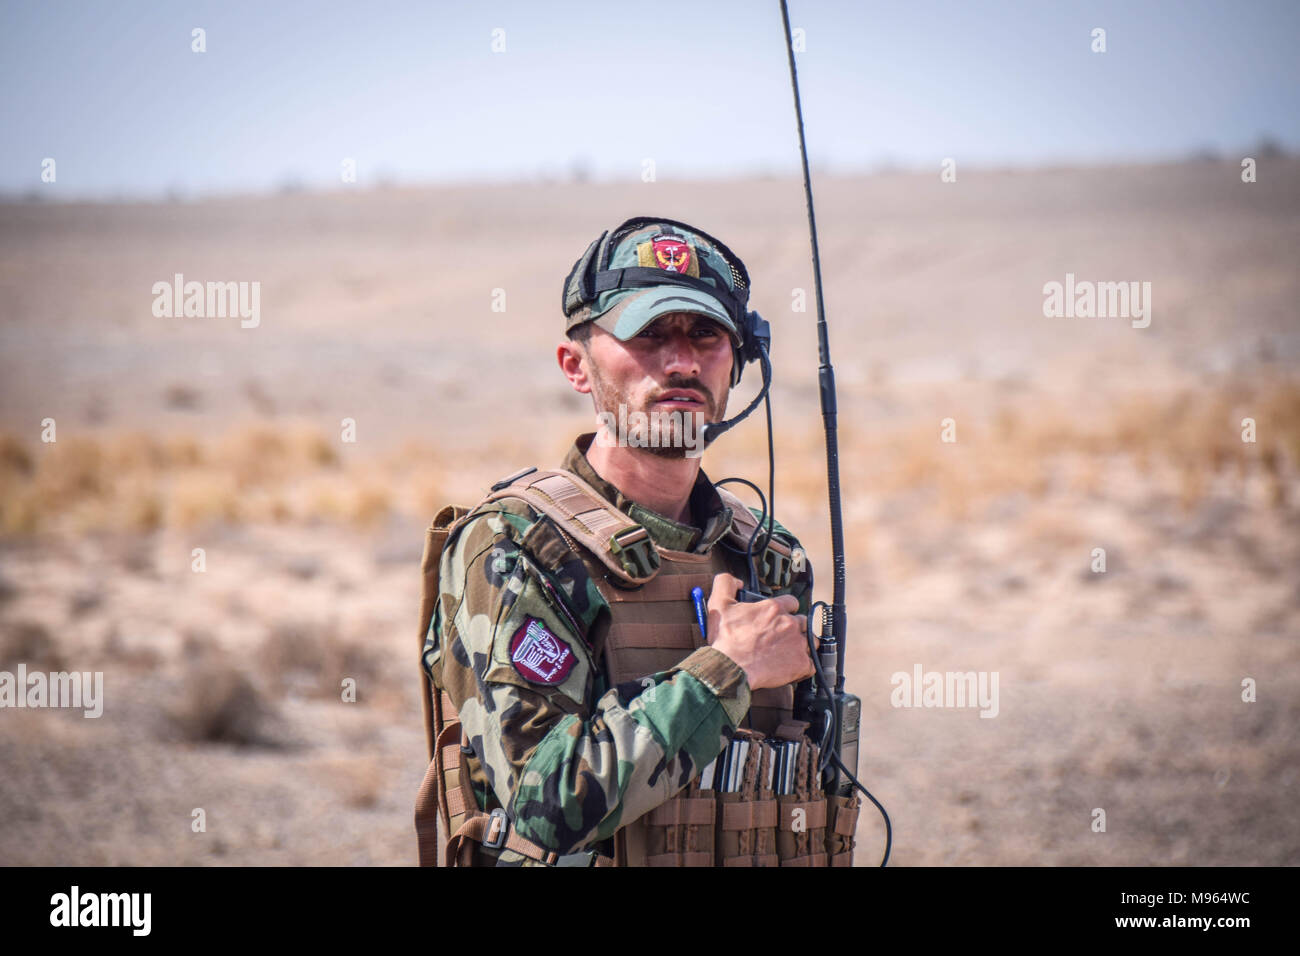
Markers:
{"x": 19, "y": 503}
{"x": 1275, "y": 485}
{"x": 144, "y": 511}
{"x": 279, "y": 510}
{"x": 326, "y": 502}
{"x": 1282, "y": 413}
{"x": 1133, "y": 424}
{"x": 316, "y": 450}
{"x": 184, "y": 451}
{"x": 73, "y": 469}
{"x": 223, "y": 502}
{"x": 134, "y": 453}
{"x": 199, "y": 497}
{"x": 221, "y": 704}
{"x": 359, "y": 781}
{"x": 369, "y": 505}
{"x": 1049, "y": 431}
{"x": 292, "y": 472}
{"x": 344, "y": 499}
{"x": 30, "y": 643}
{"x": 313, "y": 660}
{"x": 255, "y": 455}
{"x": 20, "y": 510}
{"x": 1029, "y": 474}
{"x": 1086, "y": 475}
{"x": 292, "y": 649}
{"x": 264, "y": 454}
{"x": 14, "y": 456}
{"x": 1190, "y": 436}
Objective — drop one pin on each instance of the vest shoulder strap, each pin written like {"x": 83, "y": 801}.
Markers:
{"x": 621, "y": 544}
{"x": 776, "y": 558}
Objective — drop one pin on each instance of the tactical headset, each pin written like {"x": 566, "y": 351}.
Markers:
{"x": 591, "y": 275}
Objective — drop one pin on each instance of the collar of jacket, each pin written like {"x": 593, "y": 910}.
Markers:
{"x": 713, "y": 517}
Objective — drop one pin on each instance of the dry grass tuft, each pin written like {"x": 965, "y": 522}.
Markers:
{"x": 359, "y": 781}
{"x": 136, "y": 481}
{"x": 14, "y": 457}
{"x": 280, "y": 473}
{"x": 30, "y": 643}
{"x": 313, "y": 659}
{"x": 220, "y": 703}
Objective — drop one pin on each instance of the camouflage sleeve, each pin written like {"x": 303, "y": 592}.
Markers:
{"x": 570, "y": 764}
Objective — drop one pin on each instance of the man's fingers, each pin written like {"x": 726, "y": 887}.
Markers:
{"x": 787, "y": 602}
{"x": 724, "y": 591}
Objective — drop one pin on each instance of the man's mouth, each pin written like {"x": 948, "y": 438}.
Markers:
{"x": 680, "y": 398}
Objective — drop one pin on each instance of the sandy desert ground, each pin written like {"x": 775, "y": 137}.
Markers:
{"x": 1119, "y": 690}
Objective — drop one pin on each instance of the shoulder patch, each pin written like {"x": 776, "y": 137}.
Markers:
{"x": 538, "y": 655}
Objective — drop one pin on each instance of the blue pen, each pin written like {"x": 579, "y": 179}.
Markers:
{"x": 697, "y": 596}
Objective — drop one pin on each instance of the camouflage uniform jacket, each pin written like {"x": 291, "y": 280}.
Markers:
{"x": 572, "y": 762}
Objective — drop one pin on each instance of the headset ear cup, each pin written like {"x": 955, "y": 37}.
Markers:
{"x": 742, "y": 354}
{"x": 757, "y": 335}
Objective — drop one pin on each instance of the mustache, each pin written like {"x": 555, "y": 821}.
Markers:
{"x": 694, "y": 384}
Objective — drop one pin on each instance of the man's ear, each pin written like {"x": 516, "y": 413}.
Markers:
{"x": 573, "y": 363}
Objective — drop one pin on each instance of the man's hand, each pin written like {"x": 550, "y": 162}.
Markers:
{"x": 765, "y": 638}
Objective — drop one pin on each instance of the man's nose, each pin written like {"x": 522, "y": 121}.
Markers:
{"x": 679, "y": 356}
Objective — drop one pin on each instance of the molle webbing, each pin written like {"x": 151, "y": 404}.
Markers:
{"x": 653, "y": 627}
{"x": 681, "y": 831}
{"x": 769, "y": 706}
{"x": 620, "y": 543}
{"x": 748, "y": 818}
{"x": 840, "y": 826}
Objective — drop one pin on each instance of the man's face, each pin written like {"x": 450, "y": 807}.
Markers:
{"x": 680, "y": 363}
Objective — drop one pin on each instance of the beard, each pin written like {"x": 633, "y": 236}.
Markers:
{"x": 664, "y": 433}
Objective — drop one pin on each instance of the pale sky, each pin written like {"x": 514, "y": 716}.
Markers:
{"x": 414, "y": 93}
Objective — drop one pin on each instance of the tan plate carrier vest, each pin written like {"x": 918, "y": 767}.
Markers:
{"x": 652, "y": 628}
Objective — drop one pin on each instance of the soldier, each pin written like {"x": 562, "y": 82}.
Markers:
{"x": 574, "y": 697}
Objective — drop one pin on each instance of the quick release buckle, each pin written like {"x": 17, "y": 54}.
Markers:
{"x": 635, "y": 551}
{"x": 498, "y": 829}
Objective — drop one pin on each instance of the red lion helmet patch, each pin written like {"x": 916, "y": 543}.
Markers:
{"x": 672, "y": 254}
